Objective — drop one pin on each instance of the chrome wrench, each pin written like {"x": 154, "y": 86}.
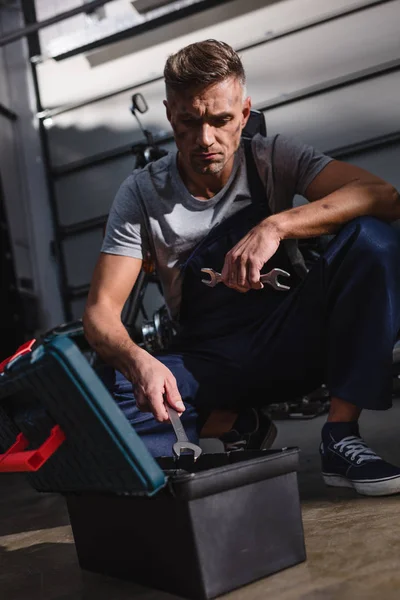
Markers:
{"x": 183, "y": 443}
{"x": 271, "y": 278}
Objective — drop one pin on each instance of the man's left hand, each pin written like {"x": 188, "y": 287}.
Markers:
{"x": 244, "y": 262}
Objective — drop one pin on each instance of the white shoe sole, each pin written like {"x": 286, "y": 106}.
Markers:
{"x": 382, "y": 487}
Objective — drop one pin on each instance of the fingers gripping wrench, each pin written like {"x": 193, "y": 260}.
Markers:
{"x": 271, "y": 278}
{"x": 183, "y": 442}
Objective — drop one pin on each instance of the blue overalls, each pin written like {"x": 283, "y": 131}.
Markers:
{"x": 336, "y": 326}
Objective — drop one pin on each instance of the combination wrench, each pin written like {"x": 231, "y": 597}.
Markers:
{"x": 272, "y": 278}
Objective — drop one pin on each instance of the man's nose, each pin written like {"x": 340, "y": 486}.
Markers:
{"x": 205, "y": 136}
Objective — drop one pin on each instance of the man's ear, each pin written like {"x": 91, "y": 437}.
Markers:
{"x": 167, "y": 109}
{"x": 246, "y": 111}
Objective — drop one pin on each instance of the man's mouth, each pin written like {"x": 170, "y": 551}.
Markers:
{"x": 206, "y": 155}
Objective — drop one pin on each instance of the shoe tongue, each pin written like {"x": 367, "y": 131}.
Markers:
{"x": 338, "y": 431}
{"x": 244, "y": 425}
{"x": 246, "y": 421}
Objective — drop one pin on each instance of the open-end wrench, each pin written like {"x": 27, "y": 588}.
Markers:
{"x": 271, "y": 278}
{"x": 183, "y": 443}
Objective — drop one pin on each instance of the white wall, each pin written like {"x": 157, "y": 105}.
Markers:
{"x": 340, "y": 48}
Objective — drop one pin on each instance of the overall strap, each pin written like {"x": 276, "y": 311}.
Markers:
{"x": 257, "y": 188}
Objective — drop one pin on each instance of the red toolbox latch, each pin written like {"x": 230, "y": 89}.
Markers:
{"x": 24, "y": 349}
{"x": 18, "y": 459}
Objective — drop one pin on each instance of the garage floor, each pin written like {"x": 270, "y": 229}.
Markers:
{"x": 353, "y": 543}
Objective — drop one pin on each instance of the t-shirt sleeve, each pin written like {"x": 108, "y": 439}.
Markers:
{"x": 295, "y": 164}
{"x": 125, "y": 233}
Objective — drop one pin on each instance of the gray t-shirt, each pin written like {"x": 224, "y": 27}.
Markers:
{"x": 153, "y": 212}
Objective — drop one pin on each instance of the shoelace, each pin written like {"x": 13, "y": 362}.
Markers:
{"x": 355, "y": 448}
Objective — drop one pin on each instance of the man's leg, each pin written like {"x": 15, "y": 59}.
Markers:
{"x": 339, "y": 328}
{"x": 341, "y": 411}
{"x": 363, "y": 299}
{"x": 346, "y": 459}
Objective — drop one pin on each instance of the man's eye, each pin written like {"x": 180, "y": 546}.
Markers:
{"x": 221, "y": 122}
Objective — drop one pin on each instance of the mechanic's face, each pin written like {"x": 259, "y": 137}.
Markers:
{"x": 207, "y": 124}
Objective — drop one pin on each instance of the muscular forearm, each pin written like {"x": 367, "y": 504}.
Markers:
{"x": 107, "y": 335}
{"x": 327, "y": 215}
{"x": 154, "y": 384}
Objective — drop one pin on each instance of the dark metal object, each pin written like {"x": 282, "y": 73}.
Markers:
{"x": 145, "y": 153}
{"x": 149, "y": 151}
{"x": 34, "y": 26}
{"x": 354, "y": 10}
{"x": 308, "y": 407}
{"x": 158, "y": 333}
{"x": 139, "y": 104}
{"x": 29, "y": 14}
{"x": 6, "y": 112}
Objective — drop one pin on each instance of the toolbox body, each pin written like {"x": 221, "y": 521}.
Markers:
{"x": 204, "y": 534}
{"x": 193, "y": 529}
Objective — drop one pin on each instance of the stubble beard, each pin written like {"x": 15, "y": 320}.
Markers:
{"x": 212, "y": 169}
{"x": 207, "y": 169}
{"x": 215, "y": 167}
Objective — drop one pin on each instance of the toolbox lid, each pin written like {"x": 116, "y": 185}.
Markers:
{"x": 101, "y": 451}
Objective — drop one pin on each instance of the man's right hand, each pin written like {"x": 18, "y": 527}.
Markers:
{"x": 154, "y": 386}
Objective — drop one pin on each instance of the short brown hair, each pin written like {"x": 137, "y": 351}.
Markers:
{"x": 202, "y": 64}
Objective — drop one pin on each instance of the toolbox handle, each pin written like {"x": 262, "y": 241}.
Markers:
{"x": 24, "y": 349}
{"x": 18, "y": 459}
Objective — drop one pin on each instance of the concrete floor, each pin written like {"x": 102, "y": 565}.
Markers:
{"x": 353, "y": 543}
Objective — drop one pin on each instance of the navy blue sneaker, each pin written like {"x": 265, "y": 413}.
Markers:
{"x": 347, "y": 461}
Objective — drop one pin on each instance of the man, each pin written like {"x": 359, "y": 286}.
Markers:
{"x": 216, "y": 203}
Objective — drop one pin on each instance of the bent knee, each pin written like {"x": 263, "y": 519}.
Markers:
{"x": 376, "y": 237}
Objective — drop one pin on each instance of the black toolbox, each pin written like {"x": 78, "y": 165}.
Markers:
{"x": 194, "y": 529}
